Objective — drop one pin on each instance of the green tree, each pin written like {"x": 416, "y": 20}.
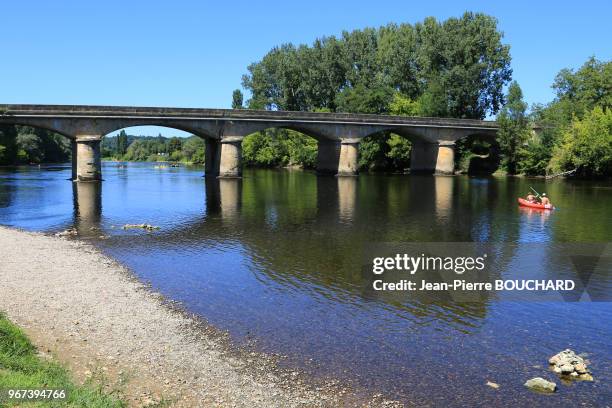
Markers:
{"x": 193, "y": 150}
{"x": 535, "y": 157}
{"x": 122, "y": 143}
{"x": 399, "y": 151}
{"x": 402, "y": 105}
{"x": 30, "y": 148}
{"x": 364, "y": 100}
{"x": 460, "y": 63}
{"x": 174, "y": 145}
{"x": 398, "y": 59}
{"x": 399, "y": 147}
{"x": 513, "y": 128}
{"x": 138, "y": 150}
{"x": 237, "y": 99}
{"x": 259, "y": 150}
{"x": 455, "y": 68}
{"x": 434, "y": 101}
{"x": 467, "y": 60}
{"x": 579, "y": 92}
{"x": 586, "y": 145}
{"x": 8, "y": 144}
{"x": 373, "y": 152}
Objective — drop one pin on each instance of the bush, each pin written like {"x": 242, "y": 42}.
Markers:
{"x": 399, "y": 152}
{"x": 534, "y": 158}
{"x": 586, "y": 145}
{"x": 279, "y": 147}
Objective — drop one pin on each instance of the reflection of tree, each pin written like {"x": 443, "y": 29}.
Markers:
{"x": 301, "y": 228}
{"x": 6, "y": 193}
{"x": 582, "y": 211}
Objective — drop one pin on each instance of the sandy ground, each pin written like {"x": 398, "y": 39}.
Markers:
{"x": 87, "y": 311}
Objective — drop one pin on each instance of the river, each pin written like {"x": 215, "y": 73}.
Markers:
{"x": 276, "y": 259}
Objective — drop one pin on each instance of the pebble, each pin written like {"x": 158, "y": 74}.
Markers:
{"x": 492, "y": 384}
{"x": 540, "y": 384}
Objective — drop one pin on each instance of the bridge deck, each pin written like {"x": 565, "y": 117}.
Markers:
{"x": 92, "y": 111}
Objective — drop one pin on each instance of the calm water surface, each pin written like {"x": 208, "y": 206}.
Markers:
{"x": 275, "y": 259}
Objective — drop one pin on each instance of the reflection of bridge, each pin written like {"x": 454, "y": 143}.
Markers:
{"x": 247, "y": 213}
{"x": 338, "y": 134}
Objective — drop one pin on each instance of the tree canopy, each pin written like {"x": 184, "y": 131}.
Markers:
{"x": 457, "y": 67}
{"x": 513, "y": 127}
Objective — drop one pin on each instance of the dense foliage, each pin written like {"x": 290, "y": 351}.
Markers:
{"x": 513, "y": 128}
{"x": 455, "y": 68}
{"x": 575, "y": 127}
{"x": 25, "y": 145}
{"x": 586, "y": 145}
{"x": 279, "y": 147}
{"x": 149, "y": 148}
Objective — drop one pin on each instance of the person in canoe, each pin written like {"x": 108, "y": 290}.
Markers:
{"x": 531, "y": 198}
{"x": 545, "y": 201}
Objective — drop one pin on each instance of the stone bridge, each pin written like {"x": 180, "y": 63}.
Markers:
{"x": 338, "y": 134}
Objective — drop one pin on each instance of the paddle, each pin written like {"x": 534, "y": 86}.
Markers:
{"x": 537, "y": 194}
{"x": 540, "y": 197}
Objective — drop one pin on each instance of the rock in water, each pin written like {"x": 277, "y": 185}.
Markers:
{"x": 541, "y": 385}
{"x": 581, "y": 368}
{"x": 147, "y": 227}
{"x": 569, "y": 363}
{"x": 70, "y": 232}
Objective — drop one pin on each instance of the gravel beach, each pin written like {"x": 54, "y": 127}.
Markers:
{"x": 89, "y": 312}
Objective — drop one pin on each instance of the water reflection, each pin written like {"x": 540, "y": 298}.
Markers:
{"x": 444, "y": 197}
{"x": 223, "y": 198}
{"x": 87, "y": 208}
{"x": 347, "y": 196}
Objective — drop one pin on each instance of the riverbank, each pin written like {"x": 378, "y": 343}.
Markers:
{"x": 90, "y": 314}
{"x": 22, "y": 366}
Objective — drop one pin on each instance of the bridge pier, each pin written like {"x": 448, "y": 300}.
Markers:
{"x": 432, "y": 158}
{"x": 213, "y": 155}
{"x": 348, "y": 165}
{"x": 230, "y": 159}
{"x": 88, "y": 163}
{"x": 338, "y": 158}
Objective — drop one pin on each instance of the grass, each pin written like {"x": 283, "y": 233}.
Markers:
{"x": 22, "y": 368}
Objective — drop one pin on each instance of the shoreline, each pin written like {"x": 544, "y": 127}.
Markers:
{"x": 95, "y": 317}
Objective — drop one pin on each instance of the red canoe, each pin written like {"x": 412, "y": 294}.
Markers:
{"x": 526, "y": 203}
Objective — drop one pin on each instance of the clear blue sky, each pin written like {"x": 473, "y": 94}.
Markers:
{"x": 193, "y": 53}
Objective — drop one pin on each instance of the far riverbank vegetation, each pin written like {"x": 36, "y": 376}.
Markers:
{"x": 457, "y": 68}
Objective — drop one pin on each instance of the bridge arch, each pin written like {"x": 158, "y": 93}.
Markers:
{"x": 48, "y": 125}
{"x": 153, "y": 142}
{"x": 281, "y": 146}
{"x": 195, "y": 129}
{"x": 478, "y": 154}
{"x": 33, "y": 144}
